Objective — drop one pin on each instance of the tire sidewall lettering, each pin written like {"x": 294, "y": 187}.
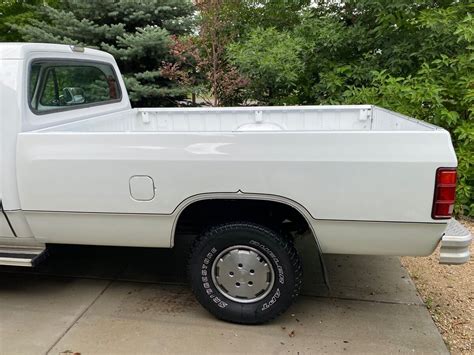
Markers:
{"x": 206, "y": 282}
{"x": 272, "y": 301}
{"x": 271, "y": 254}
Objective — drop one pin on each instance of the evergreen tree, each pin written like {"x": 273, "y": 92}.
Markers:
{"x": 18, "y": 12}
{"x": 137, "y": 33}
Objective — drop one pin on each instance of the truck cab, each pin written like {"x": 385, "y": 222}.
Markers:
{"x": 25, "y": 69}
{"x": 28, "y": 68}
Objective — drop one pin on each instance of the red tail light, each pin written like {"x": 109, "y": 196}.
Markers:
{"x": 444, "y": 194}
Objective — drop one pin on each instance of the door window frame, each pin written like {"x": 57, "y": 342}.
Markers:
{"x": 41, "y": 81}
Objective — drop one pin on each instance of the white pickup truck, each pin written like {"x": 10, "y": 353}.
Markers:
{"x": 78, "y": 165}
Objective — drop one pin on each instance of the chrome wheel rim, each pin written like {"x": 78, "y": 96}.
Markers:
{"x": 243, "y": 274}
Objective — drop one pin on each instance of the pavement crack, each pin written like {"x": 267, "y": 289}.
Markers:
{"x": 366, "y": 300}
{"x": 73, "y": 323}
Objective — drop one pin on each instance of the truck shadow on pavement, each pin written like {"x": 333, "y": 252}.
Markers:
{"x": 85, "y": 298}
{"x": 370, "y": 278}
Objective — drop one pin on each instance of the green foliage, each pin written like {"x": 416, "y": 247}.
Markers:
{"x": 18, "y": 12}
{"x": 272, "y": 61}
{"x": 246, "y": 15}
{"x": 137, "y": 33}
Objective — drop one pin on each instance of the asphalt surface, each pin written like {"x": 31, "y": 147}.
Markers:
{"x": 102, "y": 300}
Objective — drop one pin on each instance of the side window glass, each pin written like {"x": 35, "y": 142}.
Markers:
{"x": 57, "y": 85}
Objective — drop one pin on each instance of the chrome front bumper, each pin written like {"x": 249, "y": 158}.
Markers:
{"x": 455, "y": 244}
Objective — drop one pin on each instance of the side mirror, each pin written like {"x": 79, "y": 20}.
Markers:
{"x": 73, "y": 96}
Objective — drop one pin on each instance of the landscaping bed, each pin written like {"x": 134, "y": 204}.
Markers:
{"x": 448, "y": 292}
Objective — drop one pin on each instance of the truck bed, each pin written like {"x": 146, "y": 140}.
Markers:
{"x": 350, "y": 168}
{"x": 241, "y": 119}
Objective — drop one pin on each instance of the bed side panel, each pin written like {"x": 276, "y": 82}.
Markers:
{"x": 384, "y": 176}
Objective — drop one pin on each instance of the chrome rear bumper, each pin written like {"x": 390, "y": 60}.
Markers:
{"x": 455, "y": 244}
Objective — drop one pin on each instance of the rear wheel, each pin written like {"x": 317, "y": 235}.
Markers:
{"x": 244, "y": 272}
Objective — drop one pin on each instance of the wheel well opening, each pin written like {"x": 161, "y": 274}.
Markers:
{"x": 203, "y": 214}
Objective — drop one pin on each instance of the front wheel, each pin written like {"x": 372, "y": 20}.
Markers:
{"x": 244, "y": 272}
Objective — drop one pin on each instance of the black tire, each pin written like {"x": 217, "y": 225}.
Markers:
{"x": 262, "y": 241}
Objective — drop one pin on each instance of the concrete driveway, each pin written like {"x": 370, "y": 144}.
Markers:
{"x": 96, "y": 300}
